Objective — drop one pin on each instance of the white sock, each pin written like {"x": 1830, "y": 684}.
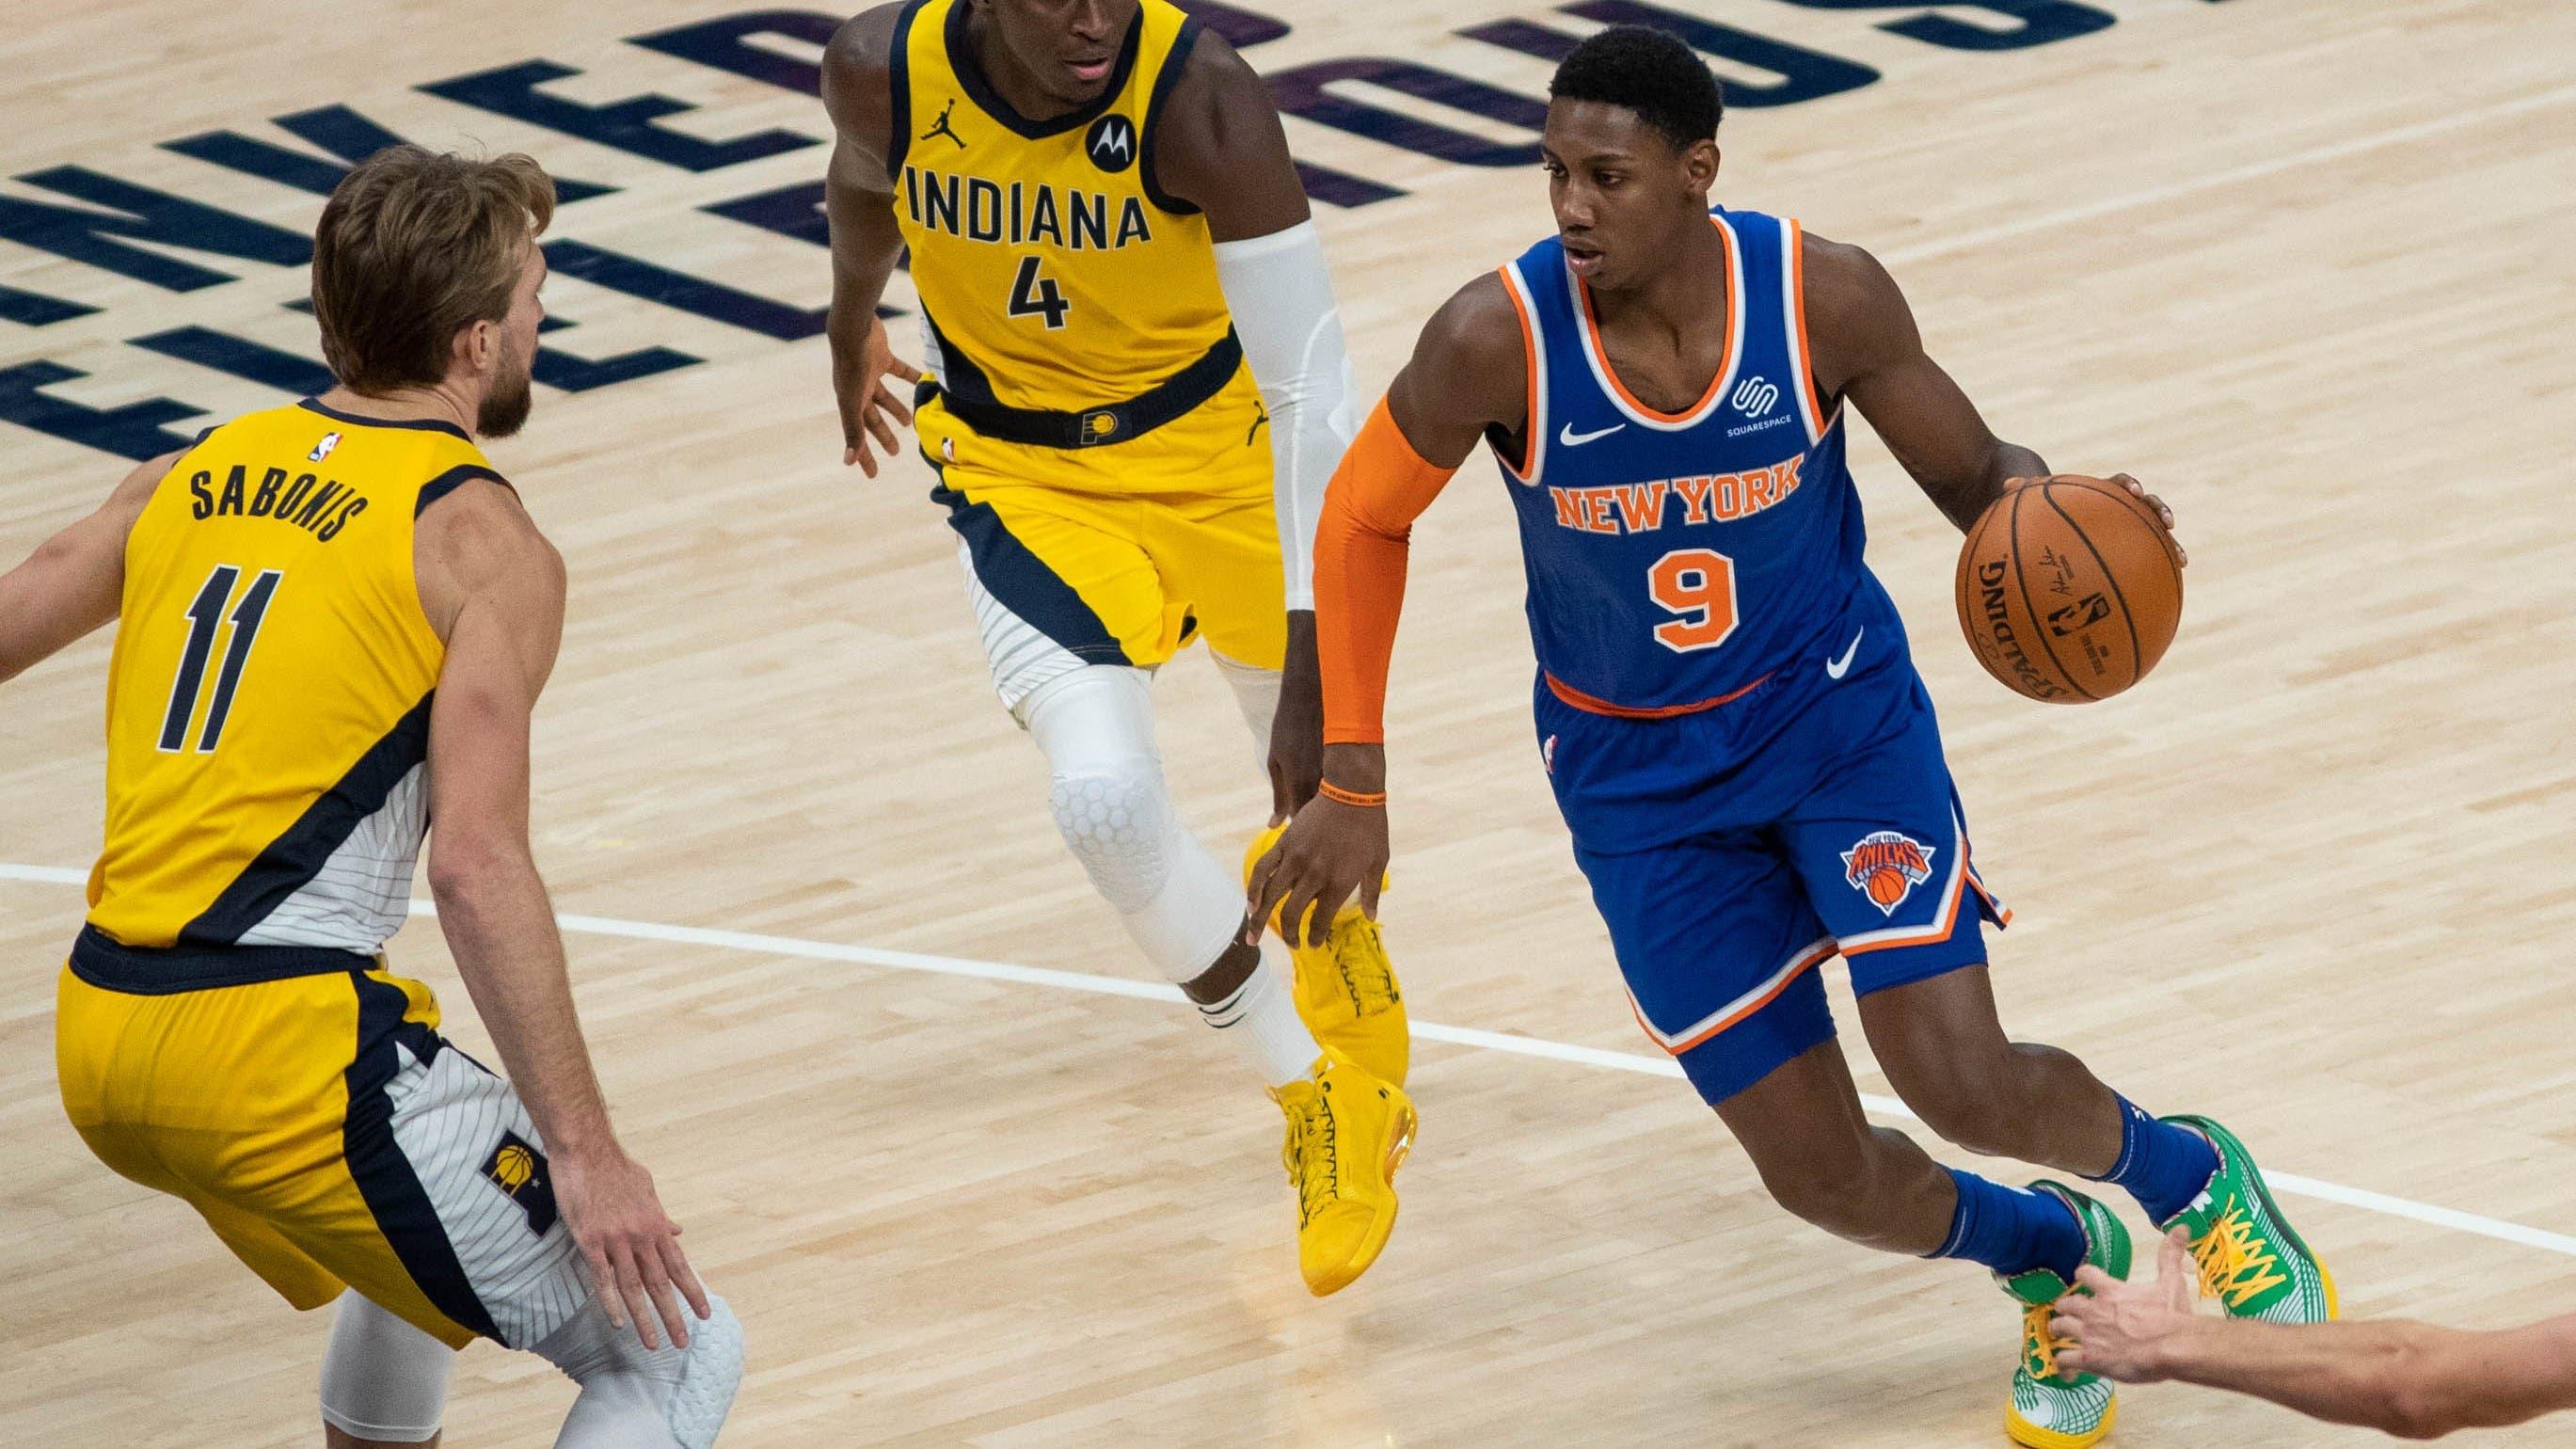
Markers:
{"x": 1261, "y": 1017}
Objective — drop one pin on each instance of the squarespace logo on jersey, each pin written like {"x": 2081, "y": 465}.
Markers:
{"x": 1361, "y": 112}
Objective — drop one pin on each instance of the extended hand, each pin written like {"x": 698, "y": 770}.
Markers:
{"x": 2123, "y": 1330}
{"x": 1331, "y": 849}
{"x": 871, "y": 404}
{"x": 632, "y": 1247}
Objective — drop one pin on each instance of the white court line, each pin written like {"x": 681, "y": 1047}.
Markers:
{"x": 1526, "y": 1046}
{"x": 1960, "y": 241}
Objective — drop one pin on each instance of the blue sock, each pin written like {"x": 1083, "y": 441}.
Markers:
{"x": 2163, "y": 1166}
{"x": 2012, "y": 1229}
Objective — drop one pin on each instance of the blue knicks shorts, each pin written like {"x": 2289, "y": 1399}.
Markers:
{"x": 1733, "y": 851}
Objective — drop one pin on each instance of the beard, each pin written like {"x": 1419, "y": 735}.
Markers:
{"x": 504, "y": 410}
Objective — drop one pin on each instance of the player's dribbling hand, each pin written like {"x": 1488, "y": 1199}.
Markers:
{"x": 871, "y": 404}
{"x": 2164, "y": 515}
{"x": 2137, "y": 490}
{"x": 1330, "y": 851}
{"x": 2122, "y": 1330}
{"x": 631, "y": 1246}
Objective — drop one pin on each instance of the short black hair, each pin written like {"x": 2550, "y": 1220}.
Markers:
{"x": 1650, "y": 72}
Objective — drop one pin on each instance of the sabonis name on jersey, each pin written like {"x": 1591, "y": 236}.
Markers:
{"x": 305, "y": 500}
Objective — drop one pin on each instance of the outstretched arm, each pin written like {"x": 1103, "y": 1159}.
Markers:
{"x": 1219, "y": 147}
{"x": 858, "y": 198}
{"x": 494, "y": 591}
{"x": 74, "y": 580}
{"x": 1466, "y": 375}
{"x": 2408, "y": 1379}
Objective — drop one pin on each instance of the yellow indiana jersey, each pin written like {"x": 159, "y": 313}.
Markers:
{"x": 1073, "y": 324}
{"x": 268, "y": 704}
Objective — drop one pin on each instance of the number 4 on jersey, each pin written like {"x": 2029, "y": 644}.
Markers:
{"x": 1035, "y": 296}
{"x": 205, "y": 616}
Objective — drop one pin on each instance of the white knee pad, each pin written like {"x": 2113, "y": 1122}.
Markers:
{"x": 1116, "y": 820}
{"x": 1097, "y": 729}
{"x": 633, "y": 1397}
{"x": 382, "y": 1379}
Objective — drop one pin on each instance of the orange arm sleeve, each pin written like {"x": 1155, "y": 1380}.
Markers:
{"x": 1361, "y": 543}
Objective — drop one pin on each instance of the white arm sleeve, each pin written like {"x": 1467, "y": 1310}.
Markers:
{"x": 1282, "y": 301}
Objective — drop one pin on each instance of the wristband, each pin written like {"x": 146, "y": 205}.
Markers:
{"x": 1364, "y": 799}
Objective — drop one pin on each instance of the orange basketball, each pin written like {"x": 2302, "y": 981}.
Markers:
{"x": 2069, "y": 589}
{"x": 1888, "y": 885}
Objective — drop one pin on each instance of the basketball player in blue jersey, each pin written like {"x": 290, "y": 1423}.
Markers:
{"x": 1133, "y": 391}
{"x": 1735, "y": 734}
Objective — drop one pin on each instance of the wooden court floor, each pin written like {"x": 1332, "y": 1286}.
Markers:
{"x": 2301, "y": 264}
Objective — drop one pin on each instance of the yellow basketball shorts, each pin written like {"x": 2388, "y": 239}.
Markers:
{"x": 1062, "y": 575}
{"x": 333, "y": 1140}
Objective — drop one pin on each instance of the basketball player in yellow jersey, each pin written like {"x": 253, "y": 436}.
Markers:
{"x": 1136, "y": 390}
{"x": 333, "y": 621}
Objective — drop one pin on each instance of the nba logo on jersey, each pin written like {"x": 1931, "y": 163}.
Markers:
{"x": 322, "y": 449}
{"x": 1886, "y": 866}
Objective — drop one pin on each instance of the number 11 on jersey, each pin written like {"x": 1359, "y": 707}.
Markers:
{"x": 206, "y": 615}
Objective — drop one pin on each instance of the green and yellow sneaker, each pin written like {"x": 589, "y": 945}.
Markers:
{"x": 2250, "y": 1259}
{"x": 2049, "y": 1409}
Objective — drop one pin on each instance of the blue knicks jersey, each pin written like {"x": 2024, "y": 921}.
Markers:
{"x": 1678, "y": 559}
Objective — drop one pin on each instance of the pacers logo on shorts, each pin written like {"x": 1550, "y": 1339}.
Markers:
{"x": 1886, "y": 866}
{"x": 520, "y": 1170}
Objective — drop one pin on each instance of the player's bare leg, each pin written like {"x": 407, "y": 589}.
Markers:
{"x": 1822, "y": 1160}
{"x": 1942, "y": 1045}
{"x": 1943, "y": 1048}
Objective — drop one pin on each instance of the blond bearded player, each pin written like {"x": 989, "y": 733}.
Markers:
{"x": 334, "y": 618}
{"x": 1137, "y": 391}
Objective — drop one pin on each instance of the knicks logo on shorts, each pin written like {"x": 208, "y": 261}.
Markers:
{"x": 520, "y": 1170}
{"x": 1886, "y": 866}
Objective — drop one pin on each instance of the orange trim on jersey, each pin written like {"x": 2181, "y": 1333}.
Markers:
{"x": 1725, "y": 367}
{"x": 1798, "y": 296}
{"x": 2003, "y": 913}
{"x": 1813, "y": 957}
{"x": 1590, "y": 705}
{"x": 1529, "y": 375}
{"x": 1939, "y": 930}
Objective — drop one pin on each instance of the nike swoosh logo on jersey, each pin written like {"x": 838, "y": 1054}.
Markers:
{"x": 1837, "y": 668}
{"x": 1572, "y": 439}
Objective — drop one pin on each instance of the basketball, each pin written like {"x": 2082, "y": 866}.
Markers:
{"x": 2069, "y": 589}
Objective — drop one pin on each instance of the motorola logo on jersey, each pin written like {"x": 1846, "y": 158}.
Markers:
{"x": 1112, "y": 143}
{"x": 1755, "y": 396}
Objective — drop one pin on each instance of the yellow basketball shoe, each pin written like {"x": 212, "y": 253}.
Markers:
{"x": 1346, "y": 989}
{"x": 1347, "y": 1134}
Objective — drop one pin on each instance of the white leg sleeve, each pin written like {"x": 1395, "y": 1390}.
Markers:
{"x": 638, "y": 1398}
{"x": 1097, "y": 728}
{"x": 382, "y": 1379}
{"x": 1256, "y": 693}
